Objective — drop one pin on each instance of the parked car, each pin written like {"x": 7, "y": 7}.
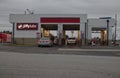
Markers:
{"x": 116, "y": 43}
{"x": 72, "y": 40}
{"x": 45, "y": 41}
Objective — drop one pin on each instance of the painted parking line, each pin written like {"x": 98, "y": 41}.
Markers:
{"x": 63, "y": 49}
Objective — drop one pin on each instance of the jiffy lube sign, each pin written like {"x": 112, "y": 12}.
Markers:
{"x": 27, "y": 26}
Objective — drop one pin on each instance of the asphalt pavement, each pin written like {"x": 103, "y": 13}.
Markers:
{"x": 20, "y": 65}
{"x": 69, "y": 50}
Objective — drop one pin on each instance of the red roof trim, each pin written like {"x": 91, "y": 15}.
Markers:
{"x": 60, "y": 20}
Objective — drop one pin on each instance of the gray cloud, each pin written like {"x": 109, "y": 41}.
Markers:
{"x": 94, "y": 8}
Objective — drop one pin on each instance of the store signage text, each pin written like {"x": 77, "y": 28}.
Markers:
{"x": 27, "y": 26}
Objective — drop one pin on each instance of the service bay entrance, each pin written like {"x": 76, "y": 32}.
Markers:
{"x": 61, "y": 32}
{"x": 58, "y": 26}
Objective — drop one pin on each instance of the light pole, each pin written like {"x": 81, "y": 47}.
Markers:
{"x": 107, "y": 32}
{"x": 115, "y": 26}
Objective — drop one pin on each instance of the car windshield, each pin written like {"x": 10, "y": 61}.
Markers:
{"x": 45, "y": 38}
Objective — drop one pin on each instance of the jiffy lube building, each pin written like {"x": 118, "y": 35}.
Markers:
{"x": 28, "y": 28}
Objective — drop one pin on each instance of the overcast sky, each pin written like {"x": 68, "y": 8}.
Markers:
{"x": 94, "y": 8}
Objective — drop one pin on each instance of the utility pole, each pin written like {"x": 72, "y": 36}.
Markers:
{"x": 115, "y": 26}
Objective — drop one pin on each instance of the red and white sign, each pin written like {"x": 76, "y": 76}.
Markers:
{"x": 27, "y": 26}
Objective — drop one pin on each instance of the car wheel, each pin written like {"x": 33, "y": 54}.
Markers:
{"x": 50, "y": 45}
{"x": 39, "y": 45}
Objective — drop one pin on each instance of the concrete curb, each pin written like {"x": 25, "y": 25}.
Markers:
{"x": 88, "y": 50}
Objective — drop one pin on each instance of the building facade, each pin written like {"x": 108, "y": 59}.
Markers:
{"x": 28, "y": 28}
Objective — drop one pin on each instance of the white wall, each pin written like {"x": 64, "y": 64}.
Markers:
{"x": 35, "y": 18}
{"x": 82, "y": 24}
{"x": 21, "y": 18}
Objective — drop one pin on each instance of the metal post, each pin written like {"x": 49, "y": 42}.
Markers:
{"x": 115, "y": 26}
{"x": 13, "y": 33}
{"x": 107, "y": 32}
{"x": 60, "y": 29}
{"x": 1, "y": 37}
{"x": 85, "y": 32}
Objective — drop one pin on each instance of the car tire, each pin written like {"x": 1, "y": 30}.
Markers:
{"x": 39, "y": 45}
{"x": 50, "y": 45}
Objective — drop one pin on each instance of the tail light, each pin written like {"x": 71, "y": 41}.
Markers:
{"x": 39, "y": 41}
{"x": 48, "y": 41}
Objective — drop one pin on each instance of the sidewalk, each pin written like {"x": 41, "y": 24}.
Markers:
{"x": 69, "y": 50}
{"x": 100, "y": 47}
{"x": 91, "y": 47}
{"x": 89, "y": 50}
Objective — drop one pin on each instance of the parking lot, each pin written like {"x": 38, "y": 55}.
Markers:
{"x": 69, "y": 50}
{"x": 19, "y": 65}
{"x": 20, "y": 61}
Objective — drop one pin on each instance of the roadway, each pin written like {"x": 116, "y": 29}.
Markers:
{"x": 25, "y": 65}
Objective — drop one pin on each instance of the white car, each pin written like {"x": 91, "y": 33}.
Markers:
{"x": 71, "y": 40}
{"x": 45, "y": 41}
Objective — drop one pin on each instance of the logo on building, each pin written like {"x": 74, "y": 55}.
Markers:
{"x": 27, "y": 26}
